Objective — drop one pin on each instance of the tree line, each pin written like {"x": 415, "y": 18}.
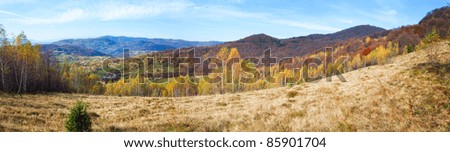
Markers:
{"x": 25, "y": 69}
{"x": 282, "y": 74}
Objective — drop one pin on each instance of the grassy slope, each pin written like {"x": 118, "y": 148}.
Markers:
{"x": 407, "y": 94}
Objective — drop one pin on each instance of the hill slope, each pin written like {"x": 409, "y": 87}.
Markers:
{"x": 255, "y": 45}
{"x": 408, "y": 94}
{"x": 437, "y": 19}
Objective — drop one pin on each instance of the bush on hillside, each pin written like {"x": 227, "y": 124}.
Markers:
{"x": 78, "y": 119}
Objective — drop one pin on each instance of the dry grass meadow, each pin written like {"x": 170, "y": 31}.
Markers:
{"x": 407, "y": 94}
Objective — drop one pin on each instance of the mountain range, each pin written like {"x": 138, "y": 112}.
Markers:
{"x": 254, "y": 45}
{"x": 113, "y": 45}
{"x": 352, "y": 39}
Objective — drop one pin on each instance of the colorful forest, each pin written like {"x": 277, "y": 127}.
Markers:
{"x": 25, "y": 69}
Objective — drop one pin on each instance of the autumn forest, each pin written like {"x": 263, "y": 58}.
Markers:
{"x": 232, "y": 86}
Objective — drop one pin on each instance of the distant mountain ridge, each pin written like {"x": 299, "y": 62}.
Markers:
{"x": 70, "y": 49}
{"x": 250, "y": 46}
{"x": 113, "y": 45}
{"x": 254, "y": 45}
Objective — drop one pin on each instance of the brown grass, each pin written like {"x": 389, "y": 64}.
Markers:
{"x": 405, "y": 95}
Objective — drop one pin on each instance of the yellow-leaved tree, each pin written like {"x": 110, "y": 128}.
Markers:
{"x": 382, "y": 54}
{"x": 174, "y": 88}
{"x": 152, "y": 89}
{"x": 135, "y": 88}
{"x": 109, "y": 88}
{"x": 356, "y": 62}
{"x": 189, "y": 86}
{"x": 393, "y": 48}
{"x": 234, "y": 74}
{"x": 368, "y": 40}
{"x": 205, "y": 88}
{"x": 93, "y": 84}
{"x": 223, "y": 54}
{"x": 118, "y": 87}
{"x": 378, "y": 56}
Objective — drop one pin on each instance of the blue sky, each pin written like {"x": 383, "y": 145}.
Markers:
{"x": 203, "y": 20}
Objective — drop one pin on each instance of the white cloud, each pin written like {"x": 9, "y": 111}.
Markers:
{"x": 389, "y": 16}
{"x": 107, "y": 11}
{"x": 221, "y": 12}
{"x": 3, "y": 2}
{"x": 65, "y": 17}
{"x": 381, "y": 12}
{"x": 236, "y": 1}
{"x": 124, "y": 10}
{"x": 119, "y": 10}
{"x": 347, "y": 21}
{"x": 388, "y": 12}
{"x": 11, "y": 14}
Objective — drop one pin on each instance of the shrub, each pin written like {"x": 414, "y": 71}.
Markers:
{"x": 78, "y": 119}
{"x": 292, "y": 94}
{"x": 290, "y": 85}
{"x": 297, "y": 114}
{"x": 430, "y": 39}
{"x": 448, "y": 33}
{"x": 287, "y": 105}
{"x": 410, "y": 48}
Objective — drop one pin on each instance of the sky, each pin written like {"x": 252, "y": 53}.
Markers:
{"x": 203, "y": 20}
